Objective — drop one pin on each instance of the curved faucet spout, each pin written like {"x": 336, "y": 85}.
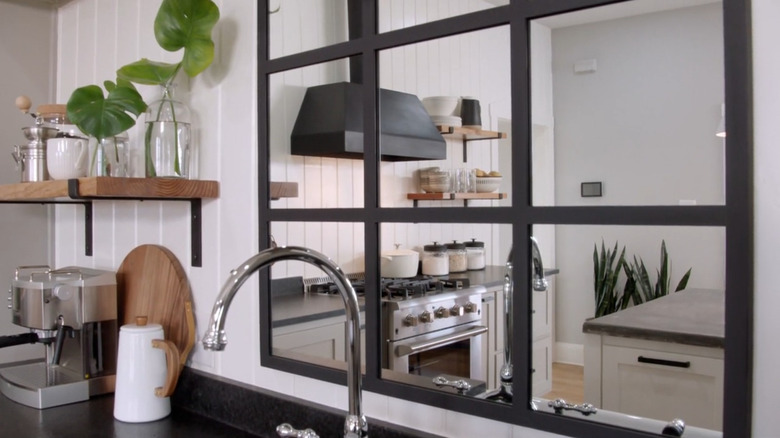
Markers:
{"x": 215, "y": 338}
{"x": 539, "y": 284}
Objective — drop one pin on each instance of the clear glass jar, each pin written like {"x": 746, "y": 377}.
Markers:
{"x": 109, "y": 156}
{"x": 435, "y": 260}
{"x": 168, "y": 137}
{"x": 475, "y": 255}
{"x": 457, "y": 257}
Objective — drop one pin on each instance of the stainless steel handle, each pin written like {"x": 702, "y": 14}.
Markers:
{"x": 460, "y": 384}
{"x": 559, "y": 405}
{"x": 36, "y": 269}
{"x": 419, "y": 347}
{"x": 285, "y": 430}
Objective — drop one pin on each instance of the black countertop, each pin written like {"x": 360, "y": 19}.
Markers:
{"x": 95, "y": 419}
{"x": 691, "y": 317}
{"x": 203, "y": 406}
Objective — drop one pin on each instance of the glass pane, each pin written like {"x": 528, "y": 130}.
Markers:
{"x": 635, "y": 346}
{"x": 395, "y": 14}
{"x": 314, "y": 117}
{"x": 626, "y": 101}
{"x": 440, "y": 290}
{"x": 307, "y": 312}
{"x": 296, "y": 26}
{"x": 427, "y": 89}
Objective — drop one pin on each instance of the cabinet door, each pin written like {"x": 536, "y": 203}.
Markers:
{"x": 325, "y": 342}
{"x": 663, "y": 385}
{"x": 541, "y": 367}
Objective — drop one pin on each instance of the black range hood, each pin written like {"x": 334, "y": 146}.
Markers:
{"x": 330, "y": 121}
{"x": 330, "y": 124}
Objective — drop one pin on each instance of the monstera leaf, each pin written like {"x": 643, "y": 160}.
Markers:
{"x": 187, "y": 24}
{"x": 148, "y": 72}
{"x": 105, "y": 116}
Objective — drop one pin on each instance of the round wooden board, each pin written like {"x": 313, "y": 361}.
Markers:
{"x": 151, "y": 282}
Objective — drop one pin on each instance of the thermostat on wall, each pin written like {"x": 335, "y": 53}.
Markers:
{"x": 590, "y": 189}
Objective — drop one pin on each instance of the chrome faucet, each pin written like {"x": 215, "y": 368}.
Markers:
{"x": 355, "y": 425}
{"x": 539, "y": 284}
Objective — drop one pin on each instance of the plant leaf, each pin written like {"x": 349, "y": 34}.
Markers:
{"x": 104, "y": 116}
{"x": 187, "y": 24}
{"x": 148, "y": 72}
{"x": 683, "y": 281}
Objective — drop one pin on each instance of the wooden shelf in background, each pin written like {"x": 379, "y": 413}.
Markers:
{"x": 469, "y": 134}
{"x": 465, "y": 197}
{"x": 111, "y": 187}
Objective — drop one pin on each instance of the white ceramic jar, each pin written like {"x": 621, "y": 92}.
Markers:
{"x": 143, "y": 381}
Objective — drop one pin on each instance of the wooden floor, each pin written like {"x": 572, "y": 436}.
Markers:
{"x": 567, "y": 383}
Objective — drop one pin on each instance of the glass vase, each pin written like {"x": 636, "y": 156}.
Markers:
{"x": 108, "y": 157}
{"x": 168, "y": 138}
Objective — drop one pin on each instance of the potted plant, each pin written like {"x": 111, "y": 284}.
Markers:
{"x": 179, "y": 24}
{"x": 637, "y": 288}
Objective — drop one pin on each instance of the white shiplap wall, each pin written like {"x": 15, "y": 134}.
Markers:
{"x": 223, "y": 98}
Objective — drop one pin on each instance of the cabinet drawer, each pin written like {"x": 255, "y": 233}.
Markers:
{"x": 663, "y": 385}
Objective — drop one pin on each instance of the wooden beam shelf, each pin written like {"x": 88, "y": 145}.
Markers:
{"x": 467, "y": 135}
{"x": 465, "y": 197}
{"x": 110, "y": 188}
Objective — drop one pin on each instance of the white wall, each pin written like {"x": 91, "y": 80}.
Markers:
{"x": 224, "y": 98}
{"x": 644, "y": 125}
{"x": 28, "y": 68}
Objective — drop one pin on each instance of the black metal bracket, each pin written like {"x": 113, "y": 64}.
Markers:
{"x": 196, "y": 241}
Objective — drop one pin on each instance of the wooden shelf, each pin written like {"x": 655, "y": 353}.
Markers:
{"x": 468, "y": 134}
{"x": 110, "y": 188}
{"x": 465, "y": 197}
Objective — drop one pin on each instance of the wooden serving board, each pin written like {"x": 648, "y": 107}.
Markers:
{"x": 151, "y": 282}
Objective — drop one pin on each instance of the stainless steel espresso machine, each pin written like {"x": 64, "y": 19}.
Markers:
{"x": 73, "y": 312}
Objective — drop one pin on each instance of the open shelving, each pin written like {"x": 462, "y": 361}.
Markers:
{"x": 449, "y": 196}
{"x": 467, "y": 134}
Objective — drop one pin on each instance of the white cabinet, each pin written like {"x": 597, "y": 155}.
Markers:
{"x": 654, "y": 379}
{"x": 322, "y": 339}
{"x": 541, "y": 360}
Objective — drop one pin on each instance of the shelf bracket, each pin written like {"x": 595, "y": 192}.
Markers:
{"x": 196, "y": 226}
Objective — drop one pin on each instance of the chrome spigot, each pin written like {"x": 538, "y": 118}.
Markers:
{"x": 539, "y": 284}
{"x": 215, "y": 338}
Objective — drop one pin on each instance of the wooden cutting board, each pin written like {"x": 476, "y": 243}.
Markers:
{"x": 151, "y": 282}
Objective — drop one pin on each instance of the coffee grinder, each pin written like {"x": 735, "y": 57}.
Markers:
{"x": 73, "y": 312}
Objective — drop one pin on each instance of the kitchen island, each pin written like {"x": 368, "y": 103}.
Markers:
{"x": 662, "y": 359}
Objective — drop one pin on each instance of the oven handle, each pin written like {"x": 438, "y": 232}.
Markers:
{"x": 419, "y": 347}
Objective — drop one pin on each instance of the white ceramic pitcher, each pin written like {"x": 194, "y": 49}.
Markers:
{"x": 146, "y": 373}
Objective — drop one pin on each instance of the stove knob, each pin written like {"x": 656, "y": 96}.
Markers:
{"x": 410, "y": 320}
{"x": 441, "y": 312}
{"x": 470, "y": 307}
{"x": 456, "y": 310}
{"x": 426, "y": 317}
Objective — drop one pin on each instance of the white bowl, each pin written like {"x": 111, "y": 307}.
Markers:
{"x": 488, "y": 184}
{"x": 441, "y": 105}
{"x": 447, "y": 120}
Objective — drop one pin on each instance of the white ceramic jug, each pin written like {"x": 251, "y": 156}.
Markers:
{"x": 143, "y": 381}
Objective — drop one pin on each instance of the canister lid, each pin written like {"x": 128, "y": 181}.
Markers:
{"x": 475, "y": 244}
{"x": 455, "y": 245}
{"x": 435, "y": 247}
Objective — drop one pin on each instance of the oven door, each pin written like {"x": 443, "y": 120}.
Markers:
{"x": 455, "y": 351}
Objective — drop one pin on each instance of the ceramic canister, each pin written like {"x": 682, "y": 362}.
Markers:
{"x": 146, "y": 373}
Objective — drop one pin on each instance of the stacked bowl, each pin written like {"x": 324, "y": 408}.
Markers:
{"x": 444, "y": 110}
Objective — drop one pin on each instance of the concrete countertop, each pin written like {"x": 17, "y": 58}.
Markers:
{"x": 292, "y": 309}
{"x": 691, "y": 316}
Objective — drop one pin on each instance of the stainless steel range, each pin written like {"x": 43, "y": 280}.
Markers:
{"x": 433, "y": 327}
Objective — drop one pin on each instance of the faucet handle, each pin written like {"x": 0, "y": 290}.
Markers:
{"x": 285, "y": 430}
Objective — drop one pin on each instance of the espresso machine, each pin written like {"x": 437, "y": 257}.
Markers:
{"x": 72, "y": 312}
